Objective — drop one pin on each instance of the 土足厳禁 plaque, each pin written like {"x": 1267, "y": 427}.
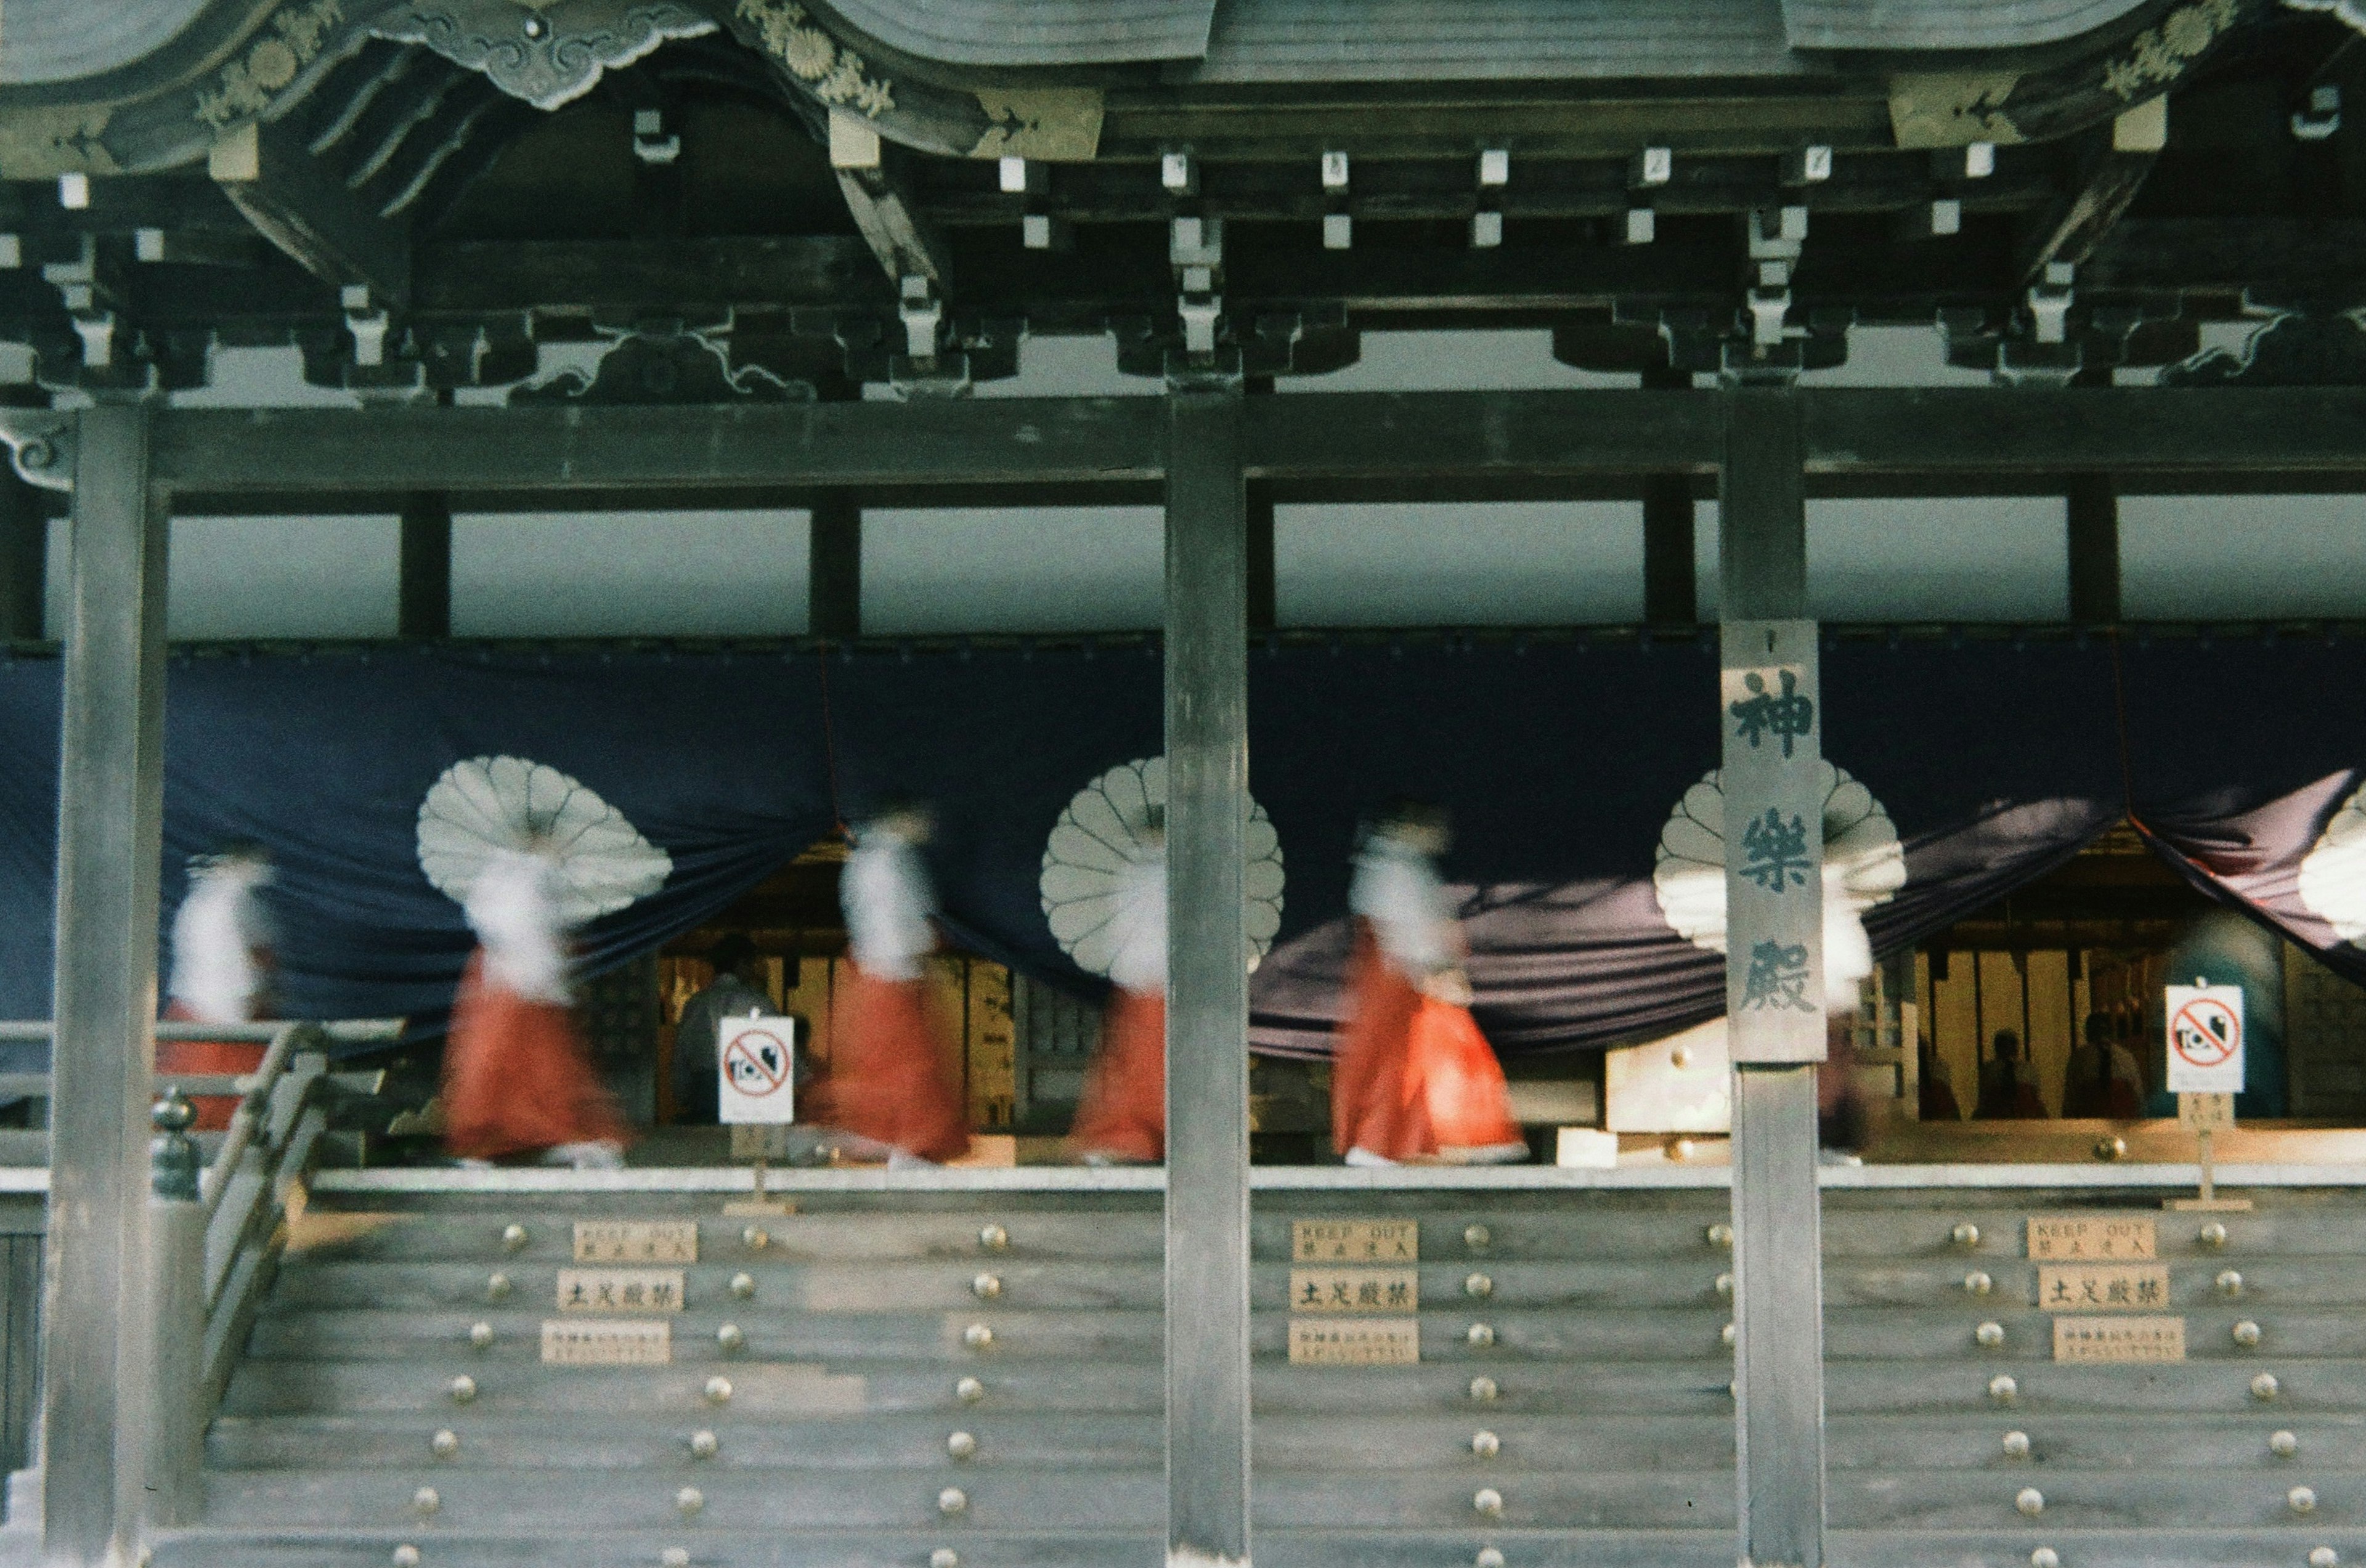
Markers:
{"x": 1355, "y": 1290}
{"x": 620, "y": 1290}
{"x": 2103, "y": 1286}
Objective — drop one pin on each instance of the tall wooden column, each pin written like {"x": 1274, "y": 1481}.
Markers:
{"x": 2092, "y": 509}
{"x": 1769, "y": 707}
{"x": 109, "y": 837}
{"x": 1207, "y": 1007}
{"x": 24, "y": 558}
{"x": 1671, "y": 596}
{"x": 423, "y": 602}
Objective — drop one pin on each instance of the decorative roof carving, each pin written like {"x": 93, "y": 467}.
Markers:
{"x": 547, "y": 52}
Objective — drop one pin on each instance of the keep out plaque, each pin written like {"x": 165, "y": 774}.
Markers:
{"x": 637, "y": 1241}
{"x": 1350, "y": 1342}
{"x": 620, "y": 1290}
{"x": 574, "y": 1342}
{"x": 1355, "y": 1240}
{"x": 2119, "y": 1339}
{"x": 2091, "y": 1238}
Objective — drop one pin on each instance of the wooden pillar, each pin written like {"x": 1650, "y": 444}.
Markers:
{"x": 24, "y": 558}
{"x": 1671, "y": 592}
{"x": 1261, "y": 591}
{"x": 1207, "y": 1014}
{"x": 2093, "y": 508}
{"x": 1769, "y": 707}
{"x": 424, "y": 604}
{"x": 834, "y": 581}
{"x": 109, "y": 837}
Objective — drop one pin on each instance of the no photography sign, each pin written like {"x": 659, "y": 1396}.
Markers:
{"x": 758, "y": 1069}
{"x": 2205, "y": 1039}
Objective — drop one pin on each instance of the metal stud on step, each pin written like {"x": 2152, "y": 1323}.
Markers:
{"x": 952, "y": 1500}
{"x": 978, "y": 1337}
{"x": 705, "y": 1444}
{"x": 445, "y": 1444}
{"x": 743, "y": 1286}
{"x": 755, "y": 1239}
{"x": 2247, "y": 1334}
{"x": 1728, "y": 1334}
{"x": 425, "y": 1501}
{"x": 1977, "y": 1284}
{"x": 961, "y": 1445}
{"x": 2003, "y": 1389}
{"x": 513, "y": 1239}
{"x": 2284, "y": 1444}
{"x": 2016, "y": 1445}
{"x": 2212, "y": 1235}
{"x": 2045, "y": 1557}
{"x": 1721, "y": 1235}
{"x": 2323, "y": 1557}
{"x": 463, "y": 1390}
{"x": 1489, "y": 1557}
{"x": 1725, "y": 1286}
{"x": 1488, "y": 1501}
{"x": 480, "y": 1335}
{"x": 2230, "y": 1282}
{"x": 2265, "y": 1387}
{"x": 406, "y": 1556}
{"x": 1484, "y": 1391}
{"x": 1478, "y": 1239}
{"x": 674, "y": 1557}
{"x": 969, "y": 1391}
{"x": 497, "y": 1286}
{"x": 2030, "y": 1501}
{"x": 730, "y": 1336}
{"x": 2301, "y": 1500}
{"x": 1480, "y": 1336}
{"x": 1965, "y": 1236}
{"x": 1989, "y": 1334}
{"x": 944, "y": 1557}
{"x": 689, "y": 1501}
{"x": 994, "y": 1238}
{"x": 718, "y": 1390}
{"x": 1486, "y": 1445}
{"x": 986, "y": 1287}
{"x": 1479, "y": 1286}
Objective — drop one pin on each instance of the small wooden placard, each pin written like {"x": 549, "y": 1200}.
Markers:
{"x": 1355, "y": 1240}
{"x": 1351, "y": 1342}
{"x": 1355, "y": 1290}
{"x": 637, "y": 1241}
{"x": 2205, "y": 1112}
{"x": 620, "y": 1290}
{"x": 2103, "y": 1286}
{"x": 2092, "y": 1238}
{"x": 575, "y": 1343}
{"x": 2119, "y": 1339}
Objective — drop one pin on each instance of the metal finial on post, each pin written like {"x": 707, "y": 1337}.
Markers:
{"x": 172, "y": 1153}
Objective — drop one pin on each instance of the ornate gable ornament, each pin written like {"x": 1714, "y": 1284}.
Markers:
{"x": 547, "y": 52}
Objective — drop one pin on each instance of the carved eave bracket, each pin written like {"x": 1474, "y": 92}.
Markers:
{"x": 40, "y": 446}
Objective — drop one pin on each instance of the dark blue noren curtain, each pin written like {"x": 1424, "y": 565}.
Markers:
{"x": 1561, "y": 759}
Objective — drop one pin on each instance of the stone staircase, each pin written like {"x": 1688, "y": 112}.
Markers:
{"x": 917, "y": 1374}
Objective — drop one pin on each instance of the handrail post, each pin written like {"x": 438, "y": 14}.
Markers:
{"x": 178, "y": 1225}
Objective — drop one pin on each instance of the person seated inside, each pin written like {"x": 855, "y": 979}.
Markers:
{"x": 2103, "y": 1078}
{"x": 2008, "y": 1087}
{"x": 1934, "y": 1095}
{"x": 736, "y": 991}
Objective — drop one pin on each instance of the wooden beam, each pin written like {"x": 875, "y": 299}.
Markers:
{"x": 300, "y": 206}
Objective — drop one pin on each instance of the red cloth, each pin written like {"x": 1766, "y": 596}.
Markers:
{"x": 1124, "y": 1110}
{"x": 1411, "y": 1077}
{"x": 516, "y": 1076}
{"x": 886, "y": 1078}
{"x": 174, "y": 1057}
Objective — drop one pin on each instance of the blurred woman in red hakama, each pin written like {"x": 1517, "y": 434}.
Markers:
{"x": 1411, "y": 1077}
{"x": 1123, "y": 1117}
{"x": 221, "y": 973}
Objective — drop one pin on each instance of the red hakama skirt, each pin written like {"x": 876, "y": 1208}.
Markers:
{"x": 887, "y": 1080}
{"x": 1124, "y": 1114}
{"x": 175, "y": 1057}
{"x": 516, "y": 1076}
{"x": 1412, "y": 1078}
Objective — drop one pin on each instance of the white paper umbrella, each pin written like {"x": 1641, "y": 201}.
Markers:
{"x": 2333, "y": 874}
{"x": 1863, "y": 866}
{"x": 489, "y": 804}
{"x": 1095, "y": 896}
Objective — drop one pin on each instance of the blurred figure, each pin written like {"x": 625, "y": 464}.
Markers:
{"x": 516, "y": 1077}
{"x": 221, "y": 972}
{"x": 2103, "y": 1078}
{"x": 1412, "y": 1078}
{"x": 887, "y": 1081}
{"x": 1123, "y": 1115}
{"x": 2008, "y": 1087}
{"x": 1844, "y": 1121}
{"x": 1934, "y": 1095}
{"x": 736, "y": 991}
